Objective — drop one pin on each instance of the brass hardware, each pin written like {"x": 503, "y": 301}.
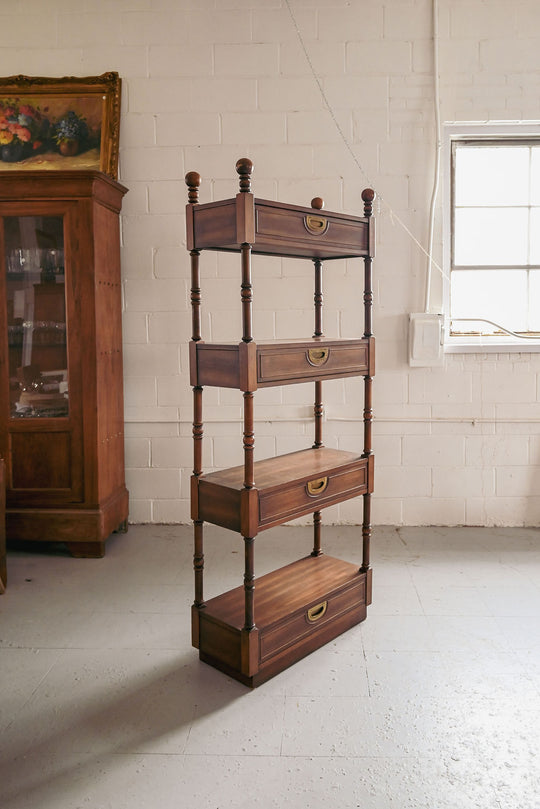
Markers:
{"x": 316, "y": 487}
{"x": 316, "y": 224}
{"x": 316, "y": 613}
{"x": 317, "y": 356}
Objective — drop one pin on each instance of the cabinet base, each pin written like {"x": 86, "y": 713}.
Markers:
{"x": 83, "y": 530}
{"x": 298, "y": 609}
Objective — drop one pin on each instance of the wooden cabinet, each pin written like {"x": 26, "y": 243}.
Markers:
{"x": 61, "y": 411}
{"x": 259, "y": 628}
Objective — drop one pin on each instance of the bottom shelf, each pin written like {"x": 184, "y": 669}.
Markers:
{"x": 298, "y": 608}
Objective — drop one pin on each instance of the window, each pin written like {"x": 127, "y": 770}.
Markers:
{"x": 493, "y": 242}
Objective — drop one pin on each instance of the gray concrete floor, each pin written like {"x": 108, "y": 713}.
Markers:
{"x": 434, "y": 701}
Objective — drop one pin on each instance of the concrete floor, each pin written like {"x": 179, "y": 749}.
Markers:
{"x": 434, "y": 701}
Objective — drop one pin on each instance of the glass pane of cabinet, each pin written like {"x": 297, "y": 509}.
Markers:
{"x": 36, "y": 316}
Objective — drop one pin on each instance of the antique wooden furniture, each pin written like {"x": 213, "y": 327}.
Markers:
{"x": 61, "y": 411}
{"x": 3, "y": 565}
{"x": 259, "y": 628}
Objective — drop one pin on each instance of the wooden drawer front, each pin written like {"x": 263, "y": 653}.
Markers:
{"x": 311, "y": 619}
{"x": 296, "y": 363}
{"x": 311, "y": 228}
{"x": 299, "y": 498}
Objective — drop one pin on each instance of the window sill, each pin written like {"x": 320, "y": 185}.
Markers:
{"x": 490, "y": 345}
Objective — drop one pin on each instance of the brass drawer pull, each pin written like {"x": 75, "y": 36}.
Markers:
{"x": 316, "y": 487}
{"x": 316, "y": 224}
{"x": 317, "y": 356}
{"x": 316, "y": 613}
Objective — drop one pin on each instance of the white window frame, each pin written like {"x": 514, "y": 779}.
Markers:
{"x": 457, "y": 344}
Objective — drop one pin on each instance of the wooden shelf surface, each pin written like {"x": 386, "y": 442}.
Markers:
{"x": 285, "y": 590}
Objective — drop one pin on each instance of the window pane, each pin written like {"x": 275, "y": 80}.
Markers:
{"x": 491, "y": 236}
{"x": 535, "y": 236}
{"x": 535, "y": 175}
{"x": 498, "y": 295}
{"x": 492, "y": 175}
{"x": 534, "y": 298}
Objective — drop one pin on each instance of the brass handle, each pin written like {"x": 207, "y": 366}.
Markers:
{"x": 316, "y": 613}
{"x": 316, "y": 224}
{"x": 316, "y": 487}
{"x": 317, "y": 356}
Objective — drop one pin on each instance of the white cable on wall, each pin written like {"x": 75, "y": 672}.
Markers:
{"x": 393, "y": 215}
{"x": 438, "y": 148}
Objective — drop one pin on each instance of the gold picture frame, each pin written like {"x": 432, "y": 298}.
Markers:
{"x": 65, "y": 123}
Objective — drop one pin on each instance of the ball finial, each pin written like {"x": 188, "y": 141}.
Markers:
{"x": 318, "y": 203}
{"x": 193, "y": 182}
{"x": 244, "y": 167}
{"x": 368, "y": 195}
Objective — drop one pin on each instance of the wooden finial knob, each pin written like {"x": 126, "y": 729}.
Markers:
{"x": 193, "y": 182}
{"x": 317, "y": 202}
{"x": 368, "y": 195}
{"x": 244, "y": 167}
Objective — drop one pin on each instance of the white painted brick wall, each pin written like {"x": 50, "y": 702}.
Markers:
{"x": 206, "y": 82}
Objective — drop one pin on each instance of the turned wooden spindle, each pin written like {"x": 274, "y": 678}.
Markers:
{"x": 244, "y": 167}
{"x": 368, "y": 195}
{"x": 193, "y": 182}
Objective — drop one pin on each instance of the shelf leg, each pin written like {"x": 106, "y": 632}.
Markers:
{"x": 248, "y": 441}
{"x": 316, "y": 534}
{"x": 366, "y": 542}
{"x": 198, "y": 562}
{"x": 246, "y": 294}
{"x": 249, "y": 583}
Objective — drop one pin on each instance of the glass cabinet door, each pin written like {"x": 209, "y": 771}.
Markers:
{"x": 36, "y": 316}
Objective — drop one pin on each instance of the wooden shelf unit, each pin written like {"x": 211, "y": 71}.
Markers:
{"x": 265, "y": 625}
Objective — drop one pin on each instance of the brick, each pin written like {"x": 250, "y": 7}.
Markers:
{"x": 269, "y": 24}
{"x": 158, "y": 95}
{"x": 219, "y": 25}
{"x": 191, "y": 59}
{"x": 154, "y": 27}
{"x": 408, "y": 21}
{"x": 150, "y": 360}
{"x": 256, "y": 127}
{"x": 171, "y": 512}
{"x": 351, "y": 23}
{"x": 246, "y": 59}
{"x": 440, "y": 386}
{"x": 176, "y": 453}
{"x": 158, "y": 295}
{"x": 327, "y": 58}
{"x": 154, "y": 483}
{"x": 73, "y": 29}
{"x": 463, "y": 482}
{"x": 137, "y": 452}
{"x": 151, "y": 164}
{"x": 434, "y": 511}
{"x": 433, "y": 451}
{"x": 518, "y": 481}
{"x": 140, "y": 391}
{"x": 195, "y": 129}
{"x": 490, "y": 451}
{"x": 379, "y": 58}
{"x": 397, "y": 481}
{"x": 135, "y": 327}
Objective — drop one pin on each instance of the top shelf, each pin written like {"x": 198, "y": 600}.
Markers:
{"x": 276, "y": 228}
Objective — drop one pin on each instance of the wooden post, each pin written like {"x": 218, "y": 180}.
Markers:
{"x": 318, "y": 408}
{"x": 368, "y": 195}
{"x": 193, "y": 181}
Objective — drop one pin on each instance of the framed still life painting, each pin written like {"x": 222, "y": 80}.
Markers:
{"x": 67, "y": 123}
